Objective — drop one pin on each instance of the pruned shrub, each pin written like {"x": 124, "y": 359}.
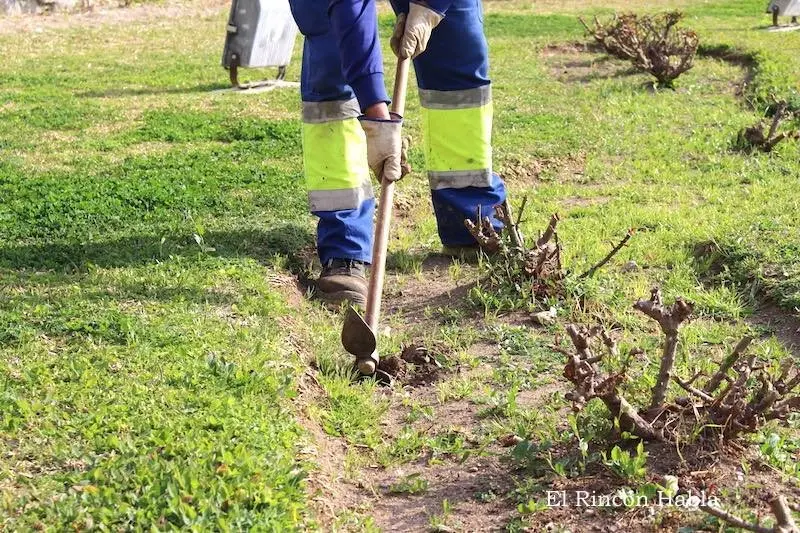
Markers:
{"x": 764, "y": 136}
{"x": 514, "y": 263}
{"x": 652, "y": 43}
{"x": 527, "y": 270}
{"x": 740, "y": 396}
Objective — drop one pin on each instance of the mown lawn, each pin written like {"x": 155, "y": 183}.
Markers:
{"x": 152, "y": 342}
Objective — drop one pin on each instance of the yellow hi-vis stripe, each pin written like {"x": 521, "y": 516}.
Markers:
{"x": 335, "y": 155}
{"x": 458, "y": 146}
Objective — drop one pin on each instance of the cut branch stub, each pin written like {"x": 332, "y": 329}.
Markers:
{"x": 485, "y": 235}
{"x": 549, "y": 232}
{"x": 584, "y": 373}
{"x": 503, "y": 213}
{"x": 670, "y": 320}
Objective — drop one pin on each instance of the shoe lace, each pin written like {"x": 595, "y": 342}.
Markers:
{"x": 347, "y": 265}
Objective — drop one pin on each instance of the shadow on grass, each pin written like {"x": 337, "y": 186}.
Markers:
{"x": 50, "y": 272}
{"x": 119, "y": 92}
{"x": 619, "y": 73}
{"x": 286, "y": 240}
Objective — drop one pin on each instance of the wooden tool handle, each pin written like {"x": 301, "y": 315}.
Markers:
{"x": 400, "y": 86}
{"x": 385, "y": 212}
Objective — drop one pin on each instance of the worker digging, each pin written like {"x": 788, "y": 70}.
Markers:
{"x": 348, "y": 129}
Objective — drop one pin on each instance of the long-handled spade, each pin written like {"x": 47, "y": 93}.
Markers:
{"x": 360, "y": 335}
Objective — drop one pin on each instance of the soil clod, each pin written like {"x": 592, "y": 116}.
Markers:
{"x": 393, "y": 365}
{"x": 416, "y": 365}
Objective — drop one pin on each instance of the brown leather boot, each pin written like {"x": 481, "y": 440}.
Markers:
{"x": 343, "y": 280}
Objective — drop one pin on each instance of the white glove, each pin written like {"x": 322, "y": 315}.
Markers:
{"x": 384, "y": 146}
{"x": 412, "y": 31}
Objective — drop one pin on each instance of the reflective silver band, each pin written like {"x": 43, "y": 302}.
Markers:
{"x": 460, "y": 179}
{"x": 338, "y": 199}
{"x": 318, "y": 112}
{"x": 463, "y": 99}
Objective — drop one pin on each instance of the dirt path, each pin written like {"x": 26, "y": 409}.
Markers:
{"x": 475, "y": 488}
{"x": 111, "y": 15}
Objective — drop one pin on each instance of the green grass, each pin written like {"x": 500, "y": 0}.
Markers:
{"x": 148, "y": 396}
{"x": 149, "y": 359}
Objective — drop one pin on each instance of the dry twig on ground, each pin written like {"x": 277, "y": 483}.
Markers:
{"x": 784, "y": 521}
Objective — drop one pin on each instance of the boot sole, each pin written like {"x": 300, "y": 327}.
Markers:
{"x": 335, "y": 299}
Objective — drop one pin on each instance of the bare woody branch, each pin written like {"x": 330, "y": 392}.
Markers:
{"x": 614, "y": 251}
{"x": 505, "y": 216}
{"x": 784, "y": 521}
{"x": 670, "y": 320}
{"x": 549, "y": 231}
{"x": 714, "y": 383}
{"x": 583, "y": 372}
{"x": 693, "y": 390}
{"x": 734, "y": 520}
{"x": 783, "y": 514}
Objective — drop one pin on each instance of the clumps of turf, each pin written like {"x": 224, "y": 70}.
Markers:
{"x": 416, "y": 364}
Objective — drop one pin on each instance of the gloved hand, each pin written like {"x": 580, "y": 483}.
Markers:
{"x": 412, "y": 31}
{"x": 384, "y": 147}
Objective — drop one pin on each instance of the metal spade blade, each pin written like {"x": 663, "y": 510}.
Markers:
{"x": 357, "y": 337}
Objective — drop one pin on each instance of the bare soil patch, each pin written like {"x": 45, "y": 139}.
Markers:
{"x": 783, "y": 324}
{"x": 413, "y": 297}
{"x": 521, "y": 173}
{"x": 582, "y": 63}
{"x": 483, "y": 490}
{"x": 476, "y": 491}
{"x": 416, "y": 365}
{"x": 104, "y": 16}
